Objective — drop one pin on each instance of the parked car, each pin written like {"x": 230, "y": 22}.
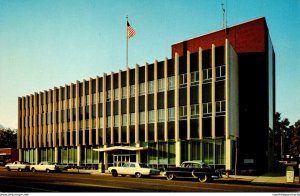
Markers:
{"x": 192, "y": 169}
{"x": 134, "y": 169}
{"x": 17, "y": 165}
{"x": 47, "y": 167}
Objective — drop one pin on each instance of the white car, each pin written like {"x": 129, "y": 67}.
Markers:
{"x": 17, "y": 165}
{"x": 47, "y": 167}
{"x": 134, "y": 169}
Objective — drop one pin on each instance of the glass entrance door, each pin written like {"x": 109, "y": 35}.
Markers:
{"x": 120, "y": 159}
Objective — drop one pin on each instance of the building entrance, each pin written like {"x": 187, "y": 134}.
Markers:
{"x": 120, "y": 159}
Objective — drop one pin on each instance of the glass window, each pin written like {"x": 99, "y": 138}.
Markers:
{"x": 94, "y": 98}
{"x": 183, "y": 111}
{"x": 132, "y": 91}
{"x": 171, "y": 114}
{"x": 194, "y": 111}
{"x": 101, "y": 122}
{"x": 108, "y": 121}
{"x": 161, "y": 115}
{"x": 124, "y": 119}
{"x": 88, "y": 100}
{"x": 93, "y": 123}
{"x": 194, "y": 78}
{"x": 116, "y": 120}
{"x": 142, "y": 118}
{"x": 207, "y": 75}
{"x": 151, "y": 116}
{"x": 142, "y": 89}
{"x": 171, "y": 83}
{"x": 151, "y": 87}
{"x": 183, "y": 79}
{"x": 207, "y": 108}
{"x": 101, "y": 97}
{"x": 124, "y": 92}
{"x": 81, "y": 102}
{"x": 161, "y": 85}
{"x": 108, "y": 95}
{"x": 132, "y": 118}
{"x": 116, "y": 92}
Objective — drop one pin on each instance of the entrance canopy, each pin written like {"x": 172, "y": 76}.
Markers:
{"x": 120, "y": 148}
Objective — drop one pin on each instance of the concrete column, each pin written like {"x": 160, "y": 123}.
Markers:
{"x": 78, "y": 155}
{"x": 20, "y": 155}
{"x": 40, "y": 121}
{"x": 90, "y": 111}
{"x": 59, "y": 117}
{"x": 112, "y": 119}
{"x": 213, "y": 93}
{"x": 138, "y": 154}
{"x": 146, "y": 102}
{"x": 136, "y": 107}
{"x": 105, "y": 158}
{"x": 77, "y": 113}
{"x": 166, "y": 99}
{"x": 128, "y": 105}
{"x": 176, "y": 98}
{"x": 36, "y": 151}
{"x": 104, "y": 109}
{"x": 35, "y": 112}
{"x": 200, "y": 130}
{"x": 228, "y": 153}
{"x": 56, "y": 154}
{"x": 22, "y": 139}
{"x": 120, "y": 106}
{"x": 54, "y": 130}
{"x": 97, "y": 110}
{"x": 45, "y": 118}
{"x": 83, "y": 114}
{"x": 49, "y": 126}
{"x": 188, "y": 95}
{"x": 155, "y": 101}
{"x": 30, "y": 121}
{"x": 71, "y": 115}
{"x": 178, "y": 153}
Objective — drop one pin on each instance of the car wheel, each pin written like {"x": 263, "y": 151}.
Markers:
{"x": 19, "y": 169}
{"x": 8, "y": 169}
{"x": 47, "y": 170}
{"x": 33, "y": 170}
{"x": 114, "y": 173}
{"x": 170, "y": 176}
{"x": 203, "y": 178}
{"x": 138, "y": 175}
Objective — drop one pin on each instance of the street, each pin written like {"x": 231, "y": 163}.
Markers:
{"x": 14, "y": 181}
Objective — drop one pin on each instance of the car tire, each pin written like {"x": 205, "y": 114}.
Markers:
{"x": 47, "y": 170}
{"x": 138, "y": 175}
{"x": 114, "y": 173}
{"x": 8, "y": 169}
{"x": 33, "y": 170}
{"x": 203, "y": 178}
{"x": 19, "y": 169}
{"x": 170, "y": 176}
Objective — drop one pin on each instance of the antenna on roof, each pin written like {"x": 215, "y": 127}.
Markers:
{"x": 223, "y": 13}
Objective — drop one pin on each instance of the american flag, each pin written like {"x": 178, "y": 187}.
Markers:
{"x": 130, "y": 31}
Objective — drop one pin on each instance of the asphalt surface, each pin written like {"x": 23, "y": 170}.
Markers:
{"x": 14, "y": 181}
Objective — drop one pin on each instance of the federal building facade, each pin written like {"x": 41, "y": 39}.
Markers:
{"x": 214, "y": 101}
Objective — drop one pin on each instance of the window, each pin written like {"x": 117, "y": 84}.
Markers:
{"x": 142, "y": 118}
{"x": 194, "y": 78}
{"x": 182, "y": 112}
{"x": 101, "y": 122}
{"x": 93, "y": 123}
{"x": 108, "y": 118}
{"x": 161, "y": 115}
{"x": 132, "y": 91}
{"x": 220, "y": 71}
{"x": 124, "y": 119}
{"x": 81, "y": 101}
{"x": 124, "y": 92}
{"x": 81, "y": 124}
{"x": 116, "y": 92}
{"x": 171, "y": 114}
{"x": 194, "y": 111}
{"x": 108, "y": 95}
{"x": 220, "y": 106}
{"x": 161, "y": 85}
{"x": 142, "y": 89}
{"x": 171, "y": 83}
{"x": 207, "y": 108}
{"x": 207, "y": 75}
{"x": 101, "y": 97}
{"x": 87, "y": 124}
{"x": 88, "y": 100}
{"x": 94, "y": 98}
{"x": 183, "y": 79}
{"x": 151, "y": 116}
{"x": 151, "y": 87}
{"x": 116, "y": 122}
{"x": 132, "y": 118}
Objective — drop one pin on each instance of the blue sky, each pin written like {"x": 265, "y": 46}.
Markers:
{"x": 47, "y": 43}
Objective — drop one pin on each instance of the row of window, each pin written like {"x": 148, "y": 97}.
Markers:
{"x": 206, "y": 110}
{"x": 207, "y": 75}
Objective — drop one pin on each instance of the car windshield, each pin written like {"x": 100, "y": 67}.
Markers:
{"x": 143, "y": 165}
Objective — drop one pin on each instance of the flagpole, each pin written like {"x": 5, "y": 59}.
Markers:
{"x": 126, "y": 42}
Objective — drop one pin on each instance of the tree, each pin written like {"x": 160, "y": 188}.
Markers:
{"x": 8, "y": 138}
{"x": 282, "y": 135}
{"x": 295, "y": 140}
